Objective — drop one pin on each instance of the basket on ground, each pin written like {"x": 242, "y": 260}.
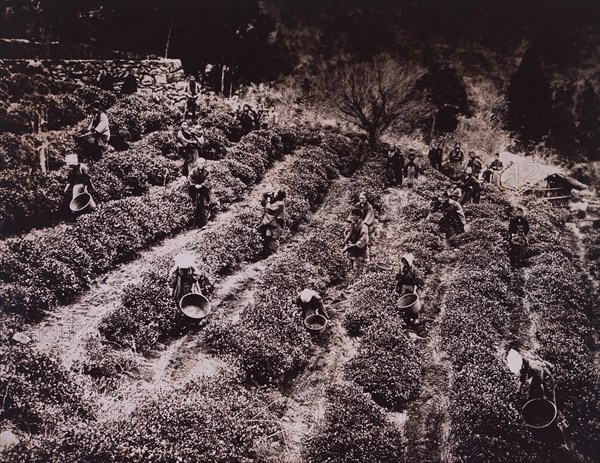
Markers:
{"x": 82, "y": 203}
{"x": 195, "y": 306}
{"x": 539, "y": 413}
{"x": 410, "y": 303}
{"x": 315, "y": 323}
{"x": 383, "y": 267}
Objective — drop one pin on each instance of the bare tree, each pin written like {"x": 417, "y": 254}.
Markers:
{"x": 377, "y": 96}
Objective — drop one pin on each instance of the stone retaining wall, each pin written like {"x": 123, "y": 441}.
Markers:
{"x": 163, "y": 76}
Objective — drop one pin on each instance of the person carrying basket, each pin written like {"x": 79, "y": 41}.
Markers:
{"x": 184, "y": 277}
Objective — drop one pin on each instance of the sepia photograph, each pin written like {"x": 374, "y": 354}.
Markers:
{"x": 300, "y": 231}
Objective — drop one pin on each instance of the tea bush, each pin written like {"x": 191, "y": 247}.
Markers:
{"x": 147, "y": 314}
{"x": 163, "y": 140}
{"x": 387, "y": 365}
{"x": 39, "y": 396}
{"x": 63, "y": 260}
{"x": 353, "y": 429}
{"x": 67, "y": 109}
{"x": 135, "y": 115}
{"x": 114, "y": 233}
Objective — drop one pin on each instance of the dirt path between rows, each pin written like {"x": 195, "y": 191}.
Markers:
{"x": 307, "y": 392}
{"x": 428, "y": 425}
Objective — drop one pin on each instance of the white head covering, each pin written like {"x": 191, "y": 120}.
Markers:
{"x": 409, "y": 257}
{"x": 514, "y": 361}
{"x": 307, "y": 294}
{"x": 71, "y": 159}
{"x": 185, "y": 260}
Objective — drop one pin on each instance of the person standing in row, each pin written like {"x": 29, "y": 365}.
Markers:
{"x": 183, "y": 276}
{"x": 518, "y": 229}
{"x": 453, "y": 222}
{"x": 356, "y": 242}
{"x": 100, "y": 127}
{"x": 455, "y": 192}
{"x": 457, "y": 156}
{"x": 310, "y": 303}
{"x": 471, "y": 189}
{"x": 199, "y": 192}
{"x": 248, "y": 119}
{"x": 191, "y": 92}
{"x": 396, "y": 165}
{"x": 366, "y": 209}
{"x": 496, "y": 167}
{"x": 187, "y": 145}
{"x": 518, "y": 224}
{"x": 129, "y": 86}
{"x": 436, "y": 156}
{"x": 408, "y": 279}
{"x": 474, "y": 165}
{"x": 273, "y": 221}
{"x": 411, "y": 170}
{"x": 78, "y": 181}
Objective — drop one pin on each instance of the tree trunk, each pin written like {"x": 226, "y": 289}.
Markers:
{"x": 222, "y": 87}
{"x": 372, "y": 137}
{"x": 39, "y": 125}
{"x": 231, "y": 81}
{"x": 43, "y": 160}
{"x": 168, "y": 40}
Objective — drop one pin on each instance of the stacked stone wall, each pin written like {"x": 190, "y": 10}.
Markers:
{"x": 162, "y": 76}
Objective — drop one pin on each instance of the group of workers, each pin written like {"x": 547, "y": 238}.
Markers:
{"x": 189, "y": 144}
{"x": 453, "y": 166}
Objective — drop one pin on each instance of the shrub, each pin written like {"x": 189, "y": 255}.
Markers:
{"x": 68, "y": 109}
{"x": 222, "y": 118}
{"x": 566, "y": 306}
{"x": 372, "y": 303}
{"x": 215, "y": 143}
{"x": 27, "y": 200}
{"x": 225, "y": 184}
{"x": 135, "y": 115}
{"x": 10, "y": 150}
{"x": 387, "y": 365}
{"x": 63, "y": 260}
{"x": 115, "y": 232}
{"x": 163, "y": 140}
{"x": 39, "y": 396}
{"x": 353, "y": 429}
{"x": 35, "y": 200}
{"x": 128, "y": 173}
